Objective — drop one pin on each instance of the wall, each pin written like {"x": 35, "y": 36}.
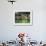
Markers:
{"x": 9, "y": 31}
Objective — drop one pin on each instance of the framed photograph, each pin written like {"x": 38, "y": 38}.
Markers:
{"x": 23, "y": 18}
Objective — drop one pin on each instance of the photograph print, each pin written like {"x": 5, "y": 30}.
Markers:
{"x": 23, "y": 18}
